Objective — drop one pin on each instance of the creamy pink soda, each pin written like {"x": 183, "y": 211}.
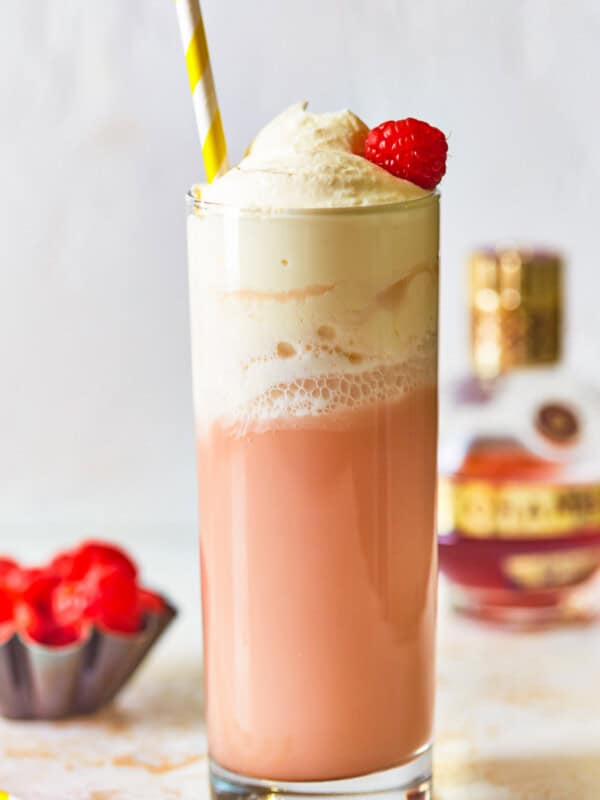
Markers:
{"x": 314, "y": 334}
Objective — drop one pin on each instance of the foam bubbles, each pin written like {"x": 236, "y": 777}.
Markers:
{"x": 335, "y": 392}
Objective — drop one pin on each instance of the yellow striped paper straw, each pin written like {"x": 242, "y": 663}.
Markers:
{"x": 202, "y": 85}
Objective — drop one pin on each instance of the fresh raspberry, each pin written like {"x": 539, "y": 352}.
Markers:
{"x": 63, "y": 565}
{"x": 70, "y": 602}
{"x": 409, "y": 149}
{"x": 34, "y": 611}
{"x": 7, "y": 565}
{"x": 108, "y": 596}
{"x": 45, "y": 629}
{"x": 33, "y": 605}
{"x": 113, "y": 601}
{"x": 55, "y": 605}
{"x": 9, "y": 570}
{"x": 151, "y": 602}
{"x": 62, "y": 635}
{"x": 7, "y": 630}
{"x": 74, "y": 565}
{"x": 10, "y": 576}
{"x": 30, "y": 621}
{"x": 38, "y": 590}
{"x": 6, "y": 606}
{"x": 19, "y": 580}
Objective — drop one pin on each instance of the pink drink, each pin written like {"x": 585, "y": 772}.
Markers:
{"x": 314, "y": 338}
{"x": 319, "y": 605}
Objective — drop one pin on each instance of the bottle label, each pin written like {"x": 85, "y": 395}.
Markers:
{"x": 562, "y": 568}
{"x": 484, "y": 510}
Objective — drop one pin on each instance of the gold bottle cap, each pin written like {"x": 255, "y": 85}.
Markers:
{"x": 515, "y": 299}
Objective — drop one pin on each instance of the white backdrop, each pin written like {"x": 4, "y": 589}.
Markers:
{"x": 97, "y": 147}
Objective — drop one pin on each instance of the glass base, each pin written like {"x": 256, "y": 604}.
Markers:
{"x": 524, "y": 612}
{"x": 409, "y": 781}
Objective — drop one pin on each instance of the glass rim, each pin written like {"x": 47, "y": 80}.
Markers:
{"x": 197, "y": 204}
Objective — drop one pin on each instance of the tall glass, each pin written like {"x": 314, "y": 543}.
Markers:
{"x": 314, "y": 341}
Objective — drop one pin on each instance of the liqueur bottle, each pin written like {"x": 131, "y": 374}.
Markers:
{"x": 519, "y": 493}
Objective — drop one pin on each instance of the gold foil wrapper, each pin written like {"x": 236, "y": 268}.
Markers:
{"x": 515, "y": 298}
{"x": 484, "y": 510}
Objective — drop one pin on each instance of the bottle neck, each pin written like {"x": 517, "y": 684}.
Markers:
{"x": 488, "y": 374}
{"x": 505, "y": 340}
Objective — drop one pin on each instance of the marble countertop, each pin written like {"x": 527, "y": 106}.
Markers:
{"x": 518, "y": 714}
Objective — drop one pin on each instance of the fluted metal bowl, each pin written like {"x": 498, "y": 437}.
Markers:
{"x": 42, "y": 682}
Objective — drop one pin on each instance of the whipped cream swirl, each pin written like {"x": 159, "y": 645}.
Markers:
{"x": 306, "y": 160}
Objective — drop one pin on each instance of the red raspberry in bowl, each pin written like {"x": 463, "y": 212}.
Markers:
{"x": 70, "y": 602}
{"x": 6, "y": 607}
{"x": 108, "y": 596}
{"x": 46, "y": 629}
{"x": 7, "y": 566}
{"x": 34, "y": 611}
{"x": 6, "y": 614}
{"x": 8, "y": 569}
{"x": 74, "y": 565}
{"x": 11, "y": 577}
{"x": 150, "y": 602}
{"x": 20, "y": 580}
{"x": 95, "y": 583}
{"x": 113, "y": 599}
{"x": 409, "y": 149}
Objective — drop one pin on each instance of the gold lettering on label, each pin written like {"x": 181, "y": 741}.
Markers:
{"x": 480, "y": 509}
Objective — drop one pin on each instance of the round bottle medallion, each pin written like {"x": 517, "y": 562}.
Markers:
{"x": 557, "y": 423}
